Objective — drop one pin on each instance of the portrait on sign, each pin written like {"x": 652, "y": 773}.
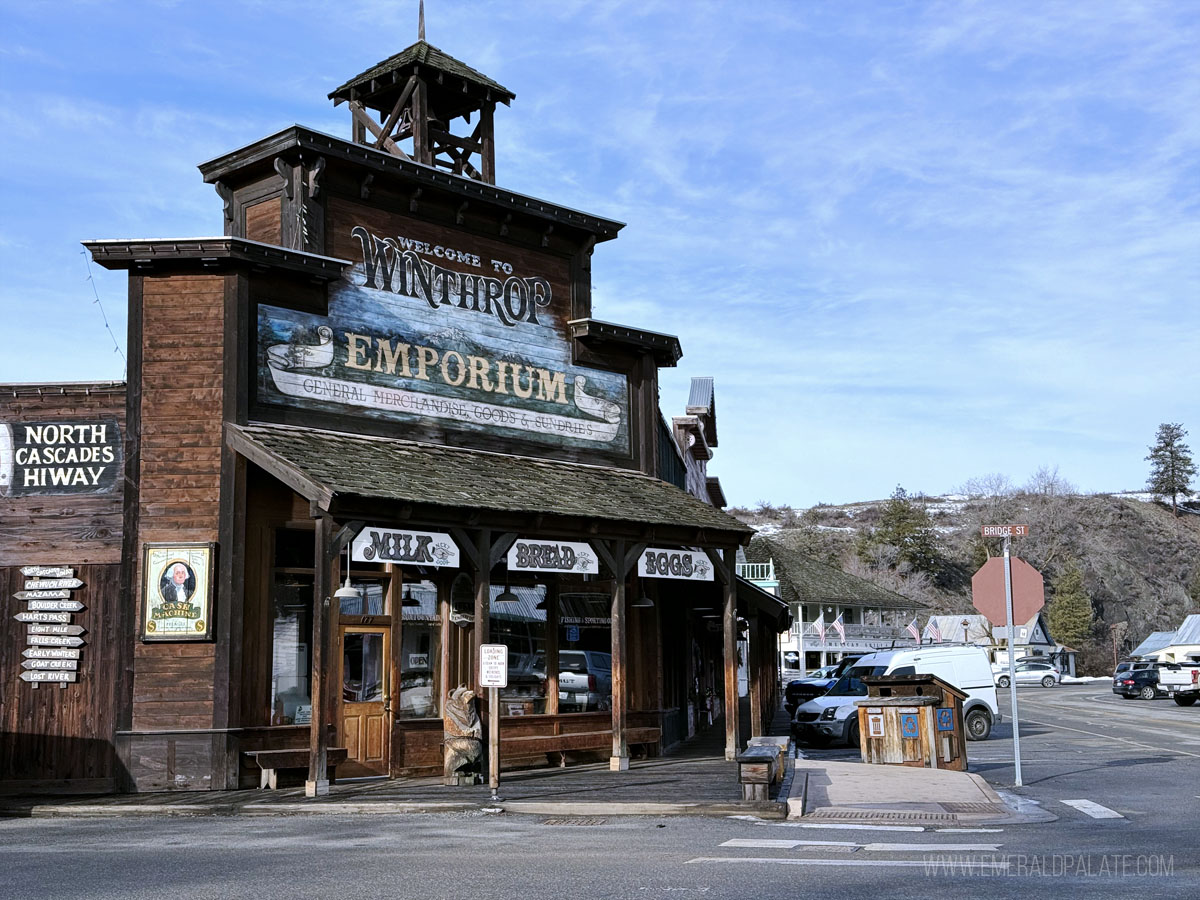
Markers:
{"x": 177, "y": 592}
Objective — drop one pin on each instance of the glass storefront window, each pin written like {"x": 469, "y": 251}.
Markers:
{"x": 520, "y": 624}
{"x": 362, "y": 667}
{"x": 420, "y": 652}
{"x": 370, "y": 600}
{"x": 291, "y": 698}
{"x": 585, "y": 650}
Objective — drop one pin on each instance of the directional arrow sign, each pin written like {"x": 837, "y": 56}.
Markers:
{"x": 47, "y": 571}
{"x": 51, "y": 652}
{"x": 54, "y": 640}
{"x": 55, "y": 629}
{"x": 42, "y": 584}
{"x": 48, "y": 676}
{"x": 52, "y": 605}
{"x": 63, "y": 617}
{"x": 60, "y": 664}
{"x": 58, "y": 593}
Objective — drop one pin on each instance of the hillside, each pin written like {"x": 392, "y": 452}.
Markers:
{"x": 1140, "y": 564}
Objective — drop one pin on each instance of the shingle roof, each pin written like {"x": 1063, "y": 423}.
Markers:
{"x": 803, "y": 579}
{"x": 330, "y": 464}
{"x": 425, "y": 54}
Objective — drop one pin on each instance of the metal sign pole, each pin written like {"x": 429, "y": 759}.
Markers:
{"x": 1012, "y": 664}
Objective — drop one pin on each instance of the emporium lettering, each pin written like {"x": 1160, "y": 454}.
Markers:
{"x": 388, "y": 266}
{"x": 376, "y": 354}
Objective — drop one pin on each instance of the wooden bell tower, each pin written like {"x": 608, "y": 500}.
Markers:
{"x": 408, "y": 104}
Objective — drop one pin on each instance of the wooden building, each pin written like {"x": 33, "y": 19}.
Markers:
{"x": 370, "y": 428}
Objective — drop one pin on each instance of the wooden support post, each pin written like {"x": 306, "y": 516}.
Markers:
{"x": 754, "y": 674}
{"x": 318, "y": 735}
{"x": 422, "y": 139}
{"x": 483, "y": 598}
{"x": 552, "y": 648}
{"x": 487, "y": 135}
{"x": 620, "y": 717}
{"x": 729, "y": 619}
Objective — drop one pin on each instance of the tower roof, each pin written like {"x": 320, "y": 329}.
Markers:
{"x": 454, "y": 86}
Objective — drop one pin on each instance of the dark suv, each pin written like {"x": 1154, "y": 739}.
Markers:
{"x": 801, "y": 690}
{"x": 1137, "y": 684}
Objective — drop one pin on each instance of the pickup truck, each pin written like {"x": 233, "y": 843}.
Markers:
{"x": 1181, "y": 682}
{"x": 584, "y": 680}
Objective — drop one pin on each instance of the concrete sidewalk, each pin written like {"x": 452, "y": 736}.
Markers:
{"x": 854, "y": 792}
{"x": 693, "y": 780}
{"x": 820, "y": 792}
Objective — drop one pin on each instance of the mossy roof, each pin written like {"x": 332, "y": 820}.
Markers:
{"x": 803, "y": 579}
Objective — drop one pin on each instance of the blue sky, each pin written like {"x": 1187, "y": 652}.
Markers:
{"x": 914, "y": 243}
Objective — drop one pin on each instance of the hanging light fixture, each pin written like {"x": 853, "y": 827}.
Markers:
{"x": 506, "y": 595}
{"x": 642, "y": 601}
{"x": 346, "y": 592}
{"x": 407, "y": 599}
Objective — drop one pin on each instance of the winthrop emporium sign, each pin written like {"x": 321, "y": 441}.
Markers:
{"x": 423, "y": 332}
{"x": 59, "y": 457}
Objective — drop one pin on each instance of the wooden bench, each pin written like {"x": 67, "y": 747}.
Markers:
{"x": 779, "y": 744}
{"x": 758, "y": 769}
{"x": 272, "y": 761}
{"x": 525, "y": 745}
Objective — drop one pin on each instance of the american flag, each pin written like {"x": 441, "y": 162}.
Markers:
{"x": 819, "y": 626}
{"x": 933, "y": 631}
{"x": 912, "y": 629}
{"x": 840, "y": 628}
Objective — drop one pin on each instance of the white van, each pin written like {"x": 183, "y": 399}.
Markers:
{"x": 834, "y": 717}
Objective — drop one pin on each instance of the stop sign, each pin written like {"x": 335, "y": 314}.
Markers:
{"x": 1028, "y": 590}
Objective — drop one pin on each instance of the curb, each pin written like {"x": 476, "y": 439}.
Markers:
{"x": 759, "y": 809}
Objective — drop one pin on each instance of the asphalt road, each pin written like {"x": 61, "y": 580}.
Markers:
{"x": 1137, "y": 760}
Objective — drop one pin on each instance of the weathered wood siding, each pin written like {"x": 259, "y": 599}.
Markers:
{"x": 180, "y": 413}
{"x": 51, "y": 738}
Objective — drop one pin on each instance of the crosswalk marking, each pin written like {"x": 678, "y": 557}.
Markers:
{"x": 847, "y": 826}
{"x": 977, "y": 865}
{"x": 767, "y": 844}
{"x": 1095, "y": 810}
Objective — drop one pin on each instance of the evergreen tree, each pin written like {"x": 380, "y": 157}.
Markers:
{"x": 1171, "y": 466}
{"x": 905, "y": 527}
{"x": 1069, "y": 613}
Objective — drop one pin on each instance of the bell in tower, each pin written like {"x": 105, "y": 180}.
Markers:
{"x": 408, "y": 104}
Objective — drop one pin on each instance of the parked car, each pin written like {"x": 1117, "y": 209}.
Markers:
{"x": 1030, "y": 673}
{"x": 1139, "y": 684}
{"x": 801, "y": 690}
{"x": 834, "y": 717}
{"x": 1180, "y": 682}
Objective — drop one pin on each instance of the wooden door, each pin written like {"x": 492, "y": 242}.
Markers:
{"x": 365, "y": 723}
